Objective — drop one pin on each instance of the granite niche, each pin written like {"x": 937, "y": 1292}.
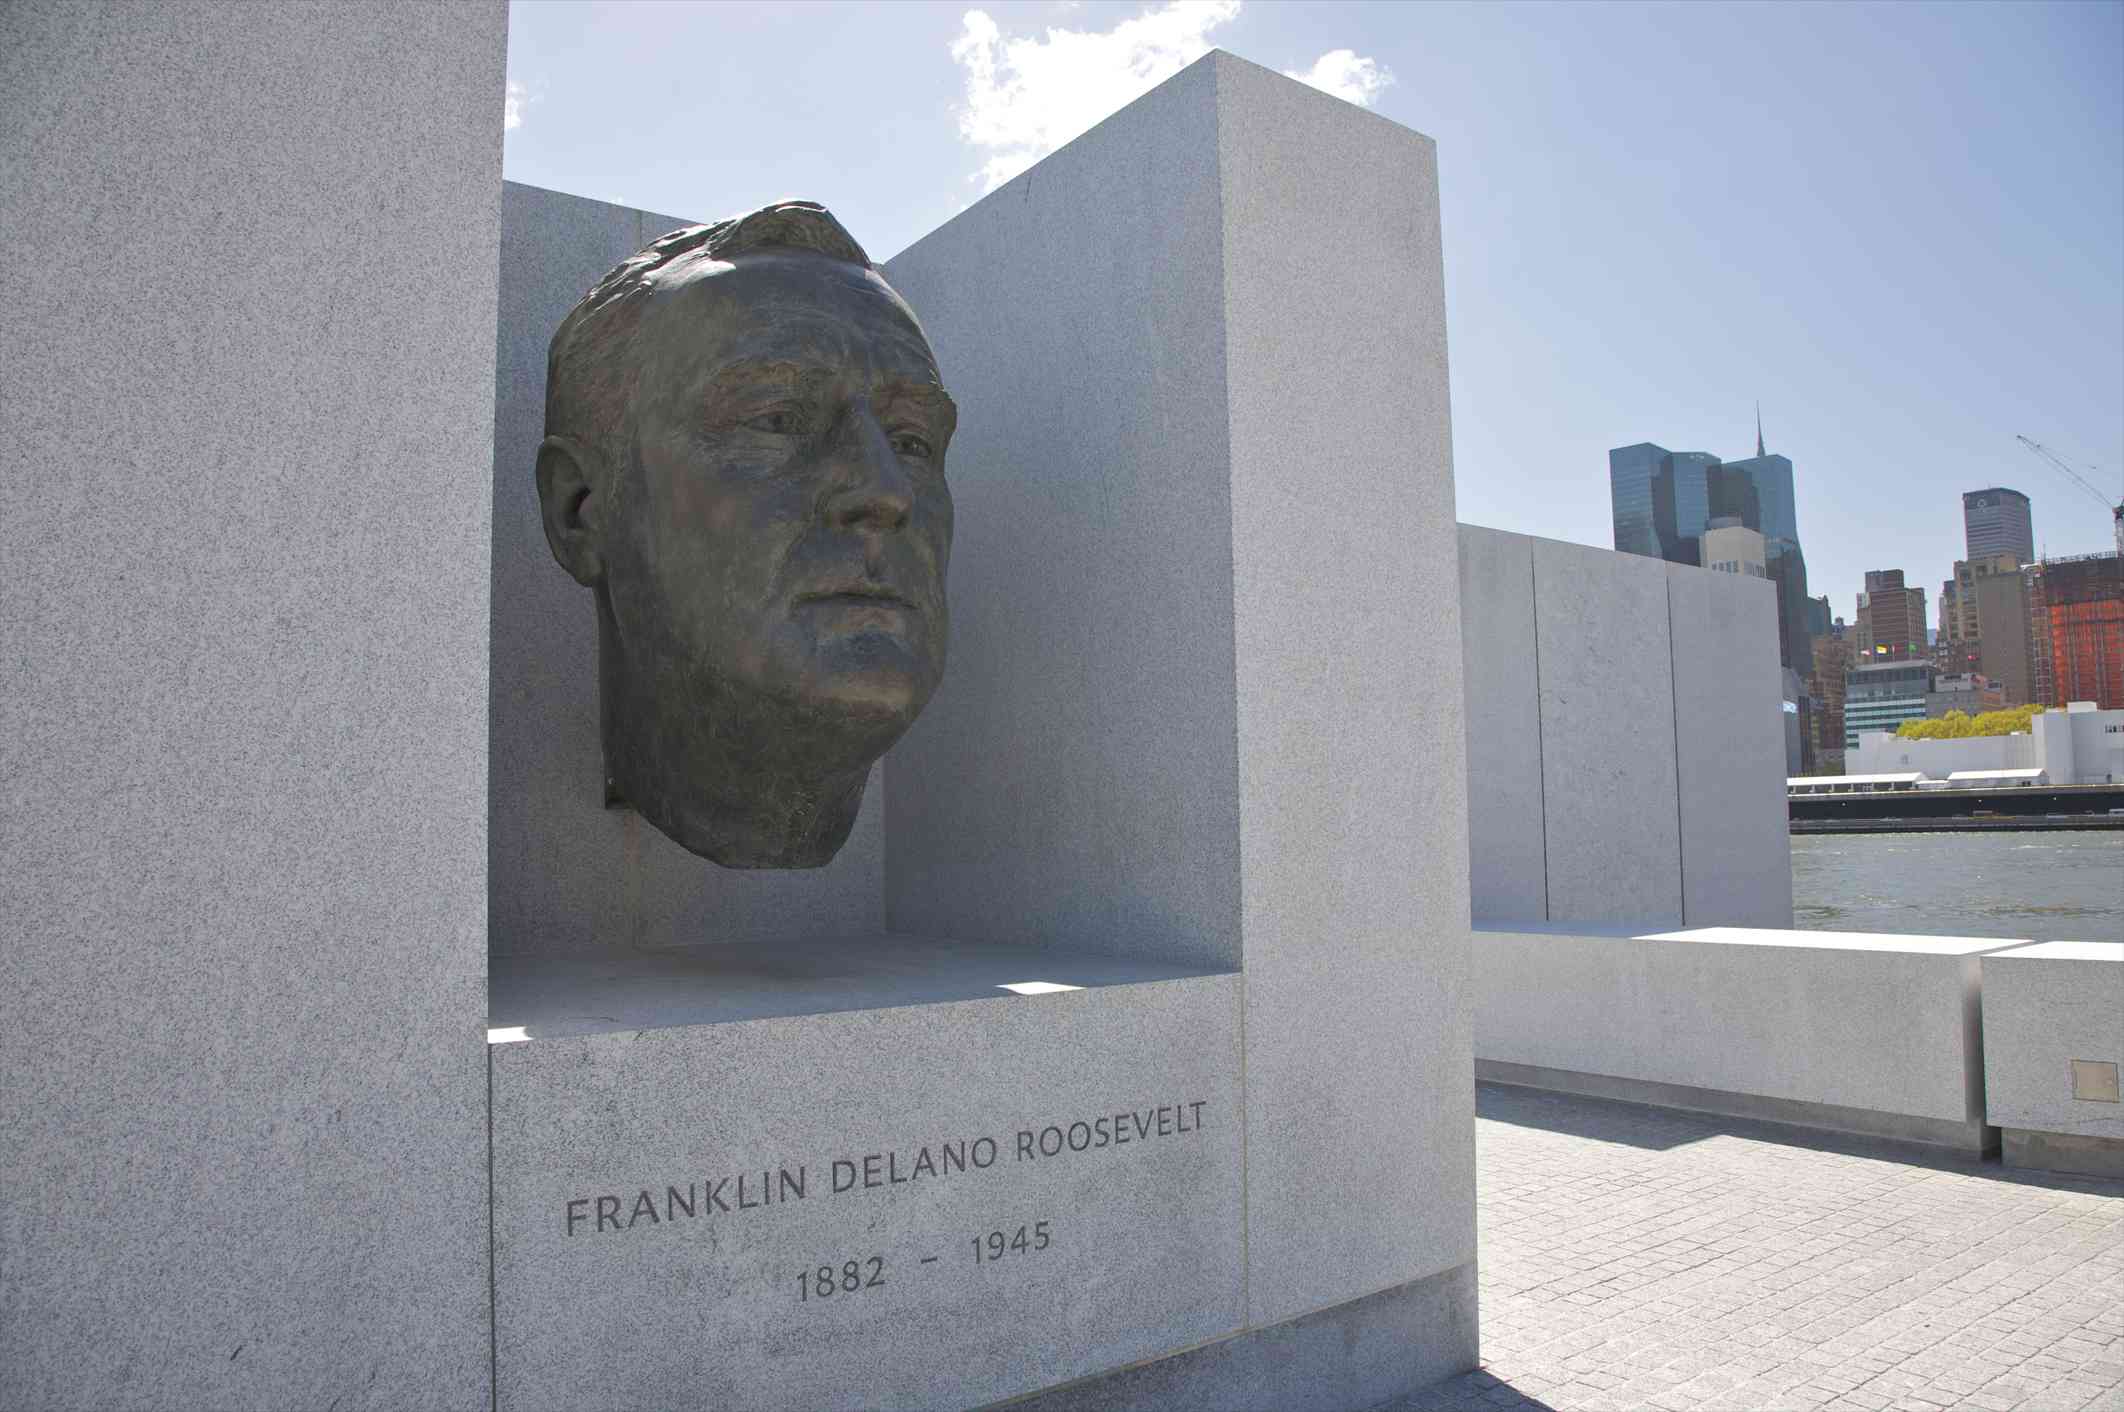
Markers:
{"x": 1120, "y": 1055}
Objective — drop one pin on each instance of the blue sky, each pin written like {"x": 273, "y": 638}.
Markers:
{"x": 1901, "y": 227}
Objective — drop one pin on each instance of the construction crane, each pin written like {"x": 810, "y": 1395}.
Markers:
{"x": 2116, "y": 510}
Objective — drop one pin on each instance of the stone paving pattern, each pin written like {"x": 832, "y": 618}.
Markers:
{"x": 1639, "y": 1257}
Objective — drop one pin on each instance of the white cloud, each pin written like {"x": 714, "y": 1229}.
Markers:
{"x": 1025, "y": 97}
{"x": 1342, "y": 73}
{"x": 514, "y": 100}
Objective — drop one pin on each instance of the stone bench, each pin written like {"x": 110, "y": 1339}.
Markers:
{"x": 2053, "y": 1047}
{"x": 1879, "y": 1035}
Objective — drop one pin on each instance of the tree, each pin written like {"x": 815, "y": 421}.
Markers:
{"x": 1957, "y": 725}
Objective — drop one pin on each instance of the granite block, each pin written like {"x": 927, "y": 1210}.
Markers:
{"x": 1507, "y": 853}
{"x": 1353, "y": 842}
{"x": 250, "y": 275}
{"x": 911, "y": 1133}
{"x": 1608, "y": 768}
{"x": 1736, "y": 854}
{"x": 1886, "y": 1024}
{"x": 566, "y": 875}
{"x": 2045, "y": 1006}
{"x": 1075, "y": 779}
{"x": 1201, "y": 479}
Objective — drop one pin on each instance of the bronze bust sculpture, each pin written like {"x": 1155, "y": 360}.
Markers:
{"x": 744, "y": 459}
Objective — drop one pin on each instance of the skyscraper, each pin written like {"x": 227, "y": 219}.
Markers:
{"x": 1818, "y": 616}
{"x": 1832, "y": 658}
{"x": 1891, "y": 619}
{"x": 1663, "y": 502}
{"x": 1769, "y": 481}
{"x": 1996, "y": 521}
{"x": 1631, "y": 471}
{"x": 1985, "y": 624}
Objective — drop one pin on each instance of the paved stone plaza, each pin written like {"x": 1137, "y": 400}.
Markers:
{"x": 1643, "y": 1258}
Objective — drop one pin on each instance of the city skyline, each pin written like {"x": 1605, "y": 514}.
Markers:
{"x": 1906, "y": 270}
{"x": 1843, "y": 603}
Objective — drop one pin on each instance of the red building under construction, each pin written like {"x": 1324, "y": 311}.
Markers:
{"x": 2076, "y": 608}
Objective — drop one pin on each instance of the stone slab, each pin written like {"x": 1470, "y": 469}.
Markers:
{"x": 250, "y": 287}
{"x": 1608, "y": 766}
{"x": 1736, "y": 852}
{"x": 1143, "y": 1253}
{"x": 1880, "y": 1024}
{"x": 1075, "y": 778}
{"x": 1351, "y": 738}
{"x": 565, "y": 874}
{"x": 536, "y": 997}
{"x": 2045, "y": 1006}
{"x": 1507, "y": 850}
{"x": 1354, "y": 1355}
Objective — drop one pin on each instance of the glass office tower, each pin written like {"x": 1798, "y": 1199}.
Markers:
{"x": 1771, "y": 476}
{"x": 1631, "y": 470}
{"x": 1663, "y": 501}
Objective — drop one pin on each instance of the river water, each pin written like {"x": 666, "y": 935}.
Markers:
{"x": 2040, "y": 885}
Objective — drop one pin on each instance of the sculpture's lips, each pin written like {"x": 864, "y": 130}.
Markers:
{"x": 860, "y": 595}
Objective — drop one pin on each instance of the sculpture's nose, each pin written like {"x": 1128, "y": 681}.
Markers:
{"x": 872, "y": 488}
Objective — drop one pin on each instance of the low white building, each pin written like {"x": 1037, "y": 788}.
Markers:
{"x": 2078, "y": 745}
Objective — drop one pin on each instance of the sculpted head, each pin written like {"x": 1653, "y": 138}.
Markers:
{"x": 744, "y": 460}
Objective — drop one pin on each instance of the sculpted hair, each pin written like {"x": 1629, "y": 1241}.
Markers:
{"x": 590, "y": 378}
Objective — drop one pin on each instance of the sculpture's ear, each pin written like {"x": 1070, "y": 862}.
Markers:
{"x": 572, "y": 499}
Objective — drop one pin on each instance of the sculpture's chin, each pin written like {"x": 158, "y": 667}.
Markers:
{"x": 871, "y": 681}
{"x": 765, "y": 769}
{"x": 770, "y": 832}
{"x": 869, "y": 713}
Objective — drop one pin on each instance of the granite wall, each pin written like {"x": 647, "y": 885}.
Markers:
{"x": 1625, "y": 739}
{"x": 245, "y": 411}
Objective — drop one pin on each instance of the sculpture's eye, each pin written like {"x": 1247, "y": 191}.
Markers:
{"x": 907, "y": 443}
{"x": 778, "y": 421}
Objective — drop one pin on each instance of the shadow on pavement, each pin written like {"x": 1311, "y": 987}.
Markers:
{"x": 1661, "y": 1129}
{"x": 1480, "y": 1389}
{"x": 1599, "y": 1119}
